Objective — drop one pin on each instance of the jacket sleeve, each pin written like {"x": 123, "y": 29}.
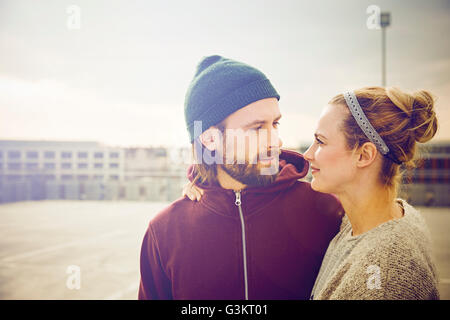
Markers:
{"x": 154, "y": 284}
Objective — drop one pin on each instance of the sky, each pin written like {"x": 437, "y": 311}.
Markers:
{"x": 120, "y": 75}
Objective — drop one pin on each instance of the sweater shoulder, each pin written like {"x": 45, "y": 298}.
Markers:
{"x": 408, "y": 236}
{"x": 401, "y": 252}
{"x": 392, "y": 261}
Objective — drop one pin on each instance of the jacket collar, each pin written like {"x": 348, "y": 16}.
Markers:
{"x": 292, "y": 166}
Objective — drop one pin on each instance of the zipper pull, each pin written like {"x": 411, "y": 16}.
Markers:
{"x": 238, "y": 198}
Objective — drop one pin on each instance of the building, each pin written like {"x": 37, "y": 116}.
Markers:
{"x": 429, "y": 183}
{"x": 37, "y": 170}
{"x": 153, "y": 174}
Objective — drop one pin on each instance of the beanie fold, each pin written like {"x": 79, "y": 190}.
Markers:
{"x": 239, "y": 98}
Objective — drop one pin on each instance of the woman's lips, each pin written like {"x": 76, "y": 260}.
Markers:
{"x": 314, "y": 170}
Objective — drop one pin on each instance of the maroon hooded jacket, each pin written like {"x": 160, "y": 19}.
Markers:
{"x": 268, "y": 245}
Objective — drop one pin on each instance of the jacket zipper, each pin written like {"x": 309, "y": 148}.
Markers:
{"x": 244, "y": 246}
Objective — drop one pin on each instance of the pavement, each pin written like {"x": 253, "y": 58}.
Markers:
{"x": 90, "y": 249}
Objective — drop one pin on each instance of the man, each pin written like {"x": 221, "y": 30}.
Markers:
{"x": 257, "y": 232}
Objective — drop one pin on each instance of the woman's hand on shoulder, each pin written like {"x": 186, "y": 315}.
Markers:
{"x": 192, "y": 191}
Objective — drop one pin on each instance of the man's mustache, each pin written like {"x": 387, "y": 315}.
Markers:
{"x": 272, "y": 153}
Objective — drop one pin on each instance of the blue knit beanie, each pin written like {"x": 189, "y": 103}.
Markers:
{"x": 220, "y": 87}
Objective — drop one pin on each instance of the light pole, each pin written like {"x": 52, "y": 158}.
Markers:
{"x": 385, "y": 21}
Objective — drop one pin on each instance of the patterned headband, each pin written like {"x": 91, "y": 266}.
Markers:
{"x": 366, "y": 126}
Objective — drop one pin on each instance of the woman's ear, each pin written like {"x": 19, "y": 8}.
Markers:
{"x": 367, "y": 154}
{"x": 210, "y": 138}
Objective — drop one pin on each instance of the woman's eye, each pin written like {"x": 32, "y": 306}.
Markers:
{"x": 318, "y": 141}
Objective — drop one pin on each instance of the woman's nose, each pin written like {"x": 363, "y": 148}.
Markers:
{"x": 308, "y": 155}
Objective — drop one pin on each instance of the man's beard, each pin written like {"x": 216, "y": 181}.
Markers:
{"x": 251, "y": 174}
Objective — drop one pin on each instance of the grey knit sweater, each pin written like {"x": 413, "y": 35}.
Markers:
{"x": 389, "y": 262}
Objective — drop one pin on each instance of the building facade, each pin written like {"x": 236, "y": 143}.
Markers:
{"x": 429, "y": 183}
{"x": 36, "y": 170}
{"x": 58, "y": 170}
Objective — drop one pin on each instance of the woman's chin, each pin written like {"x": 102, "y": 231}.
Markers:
{"x": 315, "y": 185}
{"x": 320, "y": 187}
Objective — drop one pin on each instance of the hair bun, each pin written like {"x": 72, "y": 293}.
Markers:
{"x": 423, "y": 116}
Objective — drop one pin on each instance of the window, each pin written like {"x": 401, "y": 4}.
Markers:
{"x": 66, "y": 177}
{"x": 98, "y": 177}
{"x": 49, "y": 166}
{"x": 32, "y": 154}
{"x": 66, "y": 165}
{"x": 13, "y": 154}
{"x": 113, "y": 177}
{"x": 82, "y": 155}
{"x": 98, "y": 155}
{"x": 113, "y": 165}
{"x": 82, "y": 177}
{"x": 114, "y": 155}
{"x": 49, "y": 155}
{"x": 31, "y": 166}
{"x": 82, "y": 166}
{"x": 66, "y": 155}
{"x": 14, "y": 166}
{"x": 1, "y": 154}
{"x": 98, "y": 165}
{"x": 122, "y": 192}
{"x": 13, "y": 177}
{"x": 49, "y": 177}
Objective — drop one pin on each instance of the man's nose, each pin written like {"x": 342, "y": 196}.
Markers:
{"x": 275, "y": 143}
{"x": 274, "y": 140}
{"x": 280, "y": 143}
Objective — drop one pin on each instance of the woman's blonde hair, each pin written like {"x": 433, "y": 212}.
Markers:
{"x": 401, "y": 119}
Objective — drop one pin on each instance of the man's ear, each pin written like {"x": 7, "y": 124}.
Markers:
{"x": 367, "y": 154}
{"x": 211, "y": 138}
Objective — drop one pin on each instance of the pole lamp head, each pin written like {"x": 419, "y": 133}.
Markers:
{"x": 385, "y": 19}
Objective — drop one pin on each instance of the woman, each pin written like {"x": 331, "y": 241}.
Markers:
{"x": 383, "y": 249}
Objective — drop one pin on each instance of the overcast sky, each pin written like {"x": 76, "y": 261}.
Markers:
{"x": 121, "y": 77}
